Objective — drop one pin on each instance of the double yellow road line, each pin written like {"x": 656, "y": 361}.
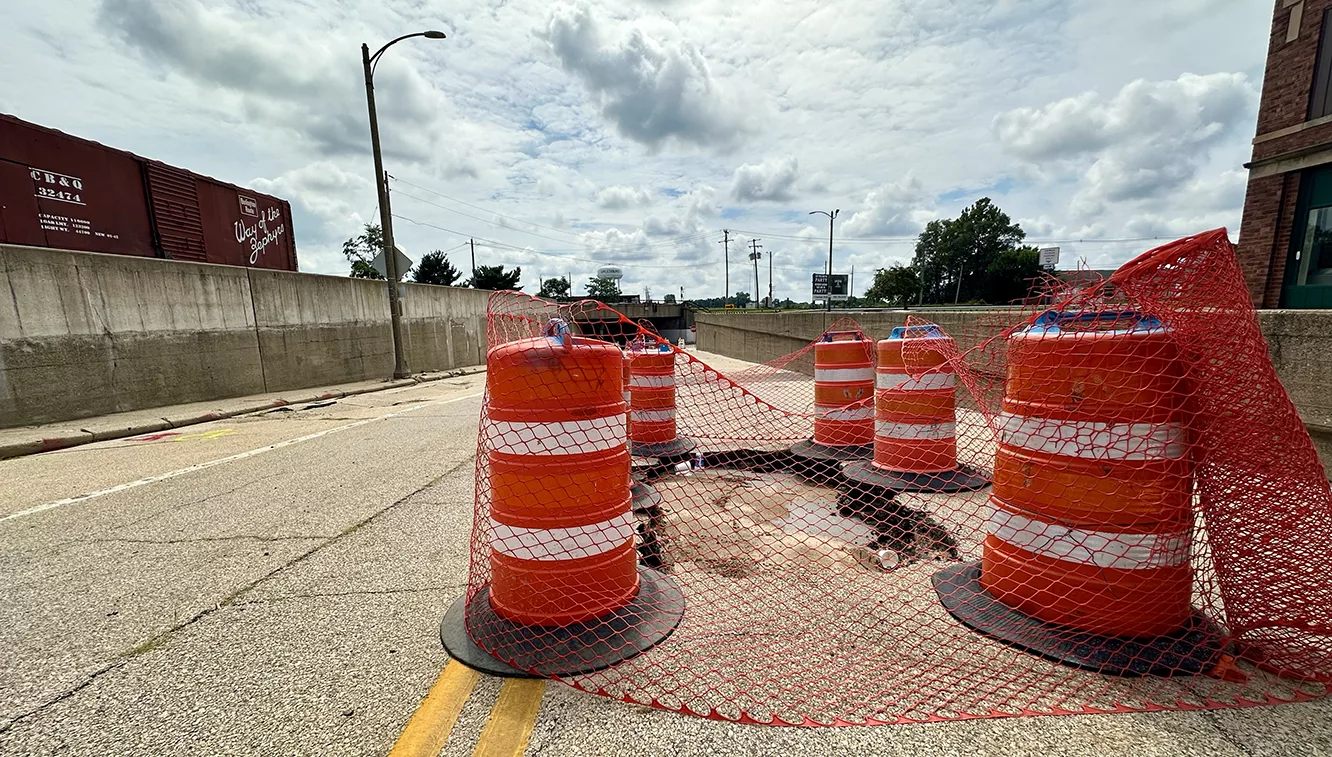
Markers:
{"x": 506, "y": 732}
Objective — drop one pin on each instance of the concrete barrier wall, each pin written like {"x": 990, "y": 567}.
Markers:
{"x": 443, "y": 327}
{"x": 1300, "y": 343}
{"x": 85, "y": 334}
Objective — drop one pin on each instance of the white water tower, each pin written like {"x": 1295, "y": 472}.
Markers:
{"x": 612, "y": 272}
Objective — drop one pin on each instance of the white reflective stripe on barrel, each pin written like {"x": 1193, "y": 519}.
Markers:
{"x": 1104, "y": 549}
{"x": 904, "y": 382}
{"x": 638, "y": 381}
{"x": 562, "y": 543}
{"x": 651, "y": 416}
{"x": 557, "y": 438}
{"x": 844, "y": 413}
{"x": 843, "y": 375}
{"x": 891, "y": 430}
{"x": 625, "y": 394}
{"x": 1093, "y": 440}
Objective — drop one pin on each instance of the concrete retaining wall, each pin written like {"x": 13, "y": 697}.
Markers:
{"x": 85, "y": 334}
{"x": 1300, "y": 343}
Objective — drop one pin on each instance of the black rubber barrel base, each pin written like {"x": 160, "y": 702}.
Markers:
{"x": 1194, "y": 649}
{"x": 963, "y": 478}
{"x": 645, "y": 498}
{"x": 812, "y": 450}
{"x": 453, "y": 632}
{"x": 676, "y": 449}
{"x": 521, "y": 651}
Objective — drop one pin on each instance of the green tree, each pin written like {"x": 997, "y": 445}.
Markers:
{"x": 360, "y": 250}
{"x": 1010, "y": 276}
{"x": 554, "y": 288}
{"x": 741, "y": 299}
{"x": 605, "y": 290}
{"x": 495, "y": 277}
{"x": 897, "y": 287}
{"x": 953, "y": 256}
{"x": 435, "y": 268}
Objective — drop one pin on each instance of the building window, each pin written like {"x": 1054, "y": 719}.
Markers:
{"x": 1314, "y": 258}
{"x": 1308, "y": 280}
{"x": 1320, "y": 100}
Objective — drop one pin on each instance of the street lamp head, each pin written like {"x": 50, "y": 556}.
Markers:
{"x": 835, "y": 212}
{"x": 432, "y": 34}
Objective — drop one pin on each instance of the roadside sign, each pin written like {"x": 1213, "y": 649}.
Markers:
{"x": 820, "y": 286}
{"x": 836, "y": 285}
{"x": 840, "y": 286}
{"x": 404, "y": 263}
{"x": 1049, "y": 256}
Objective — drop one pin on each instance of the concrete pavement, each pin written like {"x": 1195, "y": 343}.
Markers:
{"x": 273, "y": 585}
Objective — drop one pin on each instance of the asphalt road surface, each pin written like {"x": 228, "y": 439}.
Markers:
{"x": 273, "y": 584}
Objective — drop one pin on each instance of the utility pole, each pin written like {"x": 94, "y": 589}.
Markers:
{"x": 754, "y": 255}
{"x": 831, "y": 217}
{"x": 472, "y": 242}
{"x": 851, "y": 288}
{"x": 769, "y": 278}
{"x": 726, "y": 246}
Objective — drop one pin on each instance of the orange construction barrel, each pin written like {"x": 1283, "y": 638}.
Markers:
{"x": 563, "y": 559}
{"x": 843, "y": 398}
{"x": 915, "y": 436}
{"x": 652, "y": 420}
{"x": 1090, "y": 525}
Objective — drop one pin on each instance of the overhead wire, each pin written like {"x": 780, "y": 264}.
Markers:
{"x": 534, "y": 251}
{"x": 578, "y": 239}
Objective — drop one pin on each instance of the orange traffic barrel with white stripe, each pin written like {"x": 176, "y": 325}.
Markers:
{"x": 652, "y": 395}
{"x": 1091, "y": 524}
{"x": 843, "y": 389}
{"x": 562, "y": 545}
{"x": 914, "y": 425}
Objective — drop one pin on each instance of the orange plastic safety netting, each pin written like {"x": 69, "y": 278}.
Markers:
{"x": 1102, "y": 502}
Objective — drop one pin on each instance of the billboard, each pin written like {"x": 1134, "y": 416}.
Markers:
{"x": 837, "y": 286}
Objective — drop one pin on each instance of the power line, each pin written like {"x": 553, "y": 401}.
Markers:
{"x": 577, "y": 237}
{"x": 891, "y": 240}
{"x": 533, "y": 251}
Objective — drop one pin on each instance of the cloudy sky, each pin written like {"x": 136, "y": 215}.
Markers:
{"x": 567, "y": 135}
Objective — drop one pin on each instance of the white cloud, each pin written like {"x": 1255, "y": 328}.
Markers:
{"x": 895, "y": 209}
{"x": 1150, "y": 138}
{"x": 652, "y": 92}
{"x": 620, "y": 197}
{"x": 773, "y": 179}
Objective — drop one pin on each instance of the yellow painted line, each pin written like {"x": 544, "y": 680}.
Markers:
{"x": 433, "y": 720}
{"x": 215, "y": 433}
{"x": 511, "y": 719}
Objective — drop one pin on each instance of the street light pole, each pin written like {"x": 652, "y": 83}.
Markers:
{"x": 368, "y": 63}
{"x": 831, "y": 217}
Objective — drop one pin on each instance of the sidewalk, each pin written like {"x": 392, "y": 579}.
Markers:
{"x": 29, "y": 440}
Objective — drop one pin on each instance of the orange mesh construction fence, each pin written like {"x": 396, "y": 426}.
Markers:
{"x": 1103, "y": 501}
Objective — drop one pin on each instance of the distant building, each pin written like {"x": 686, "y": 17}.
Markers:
{"x": 1285, "y": 243}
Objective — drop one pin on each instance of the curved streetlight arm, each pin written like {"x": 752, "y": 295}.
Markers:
{"x": 374, "y": 59}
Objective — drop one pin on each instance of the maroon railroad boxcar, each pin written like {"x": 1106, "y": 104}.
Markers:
{"x": 61, "y": 191}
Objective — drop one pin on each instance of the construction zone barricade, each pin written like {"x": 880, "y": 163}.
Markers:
{"x": 566, "y": 595}
{"x": 1158, "y": 535}
{"x": 843, "y": 399}
{"x": 915, "y": 423}
{"x": 1090, "y": 529}
{"x": 652, "y": 420}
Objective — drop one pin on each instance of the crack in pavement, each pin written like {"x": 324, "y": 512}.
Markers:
{"x": 161, "y": 639}
{"x": 1211, "y": 717}
{"x": 359, "y": 593}
{"x": 206, "y": 539}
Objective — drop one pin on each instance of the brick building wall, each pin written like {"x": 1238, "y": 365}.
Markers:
{"x": 1287, "y": 142}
